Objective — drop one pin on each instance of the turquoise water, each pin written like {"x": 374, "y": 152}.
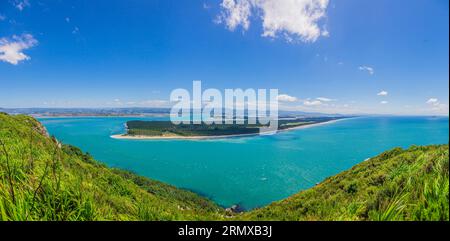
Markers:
{"x": 251, "y": 171}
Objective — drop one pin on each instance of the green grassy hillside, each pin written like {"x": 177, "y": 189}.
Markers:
{"x": 41, "y": 179}
{"x": 396, "y": 185}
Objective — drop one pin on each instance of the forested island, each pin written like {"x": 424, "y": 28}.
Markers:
{"x": 168, "y": 130}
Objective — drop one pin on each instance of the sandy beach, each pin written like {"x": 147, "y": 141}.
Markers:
{"x": 174, "y": 137}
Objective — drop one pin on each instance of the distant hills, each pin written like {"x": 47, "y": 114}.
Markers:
{"x": 86, "y": 111}
{"x": 132, "y": 111}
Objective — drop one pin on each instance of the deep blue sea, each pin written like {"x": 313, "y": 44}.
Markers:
{"x": 250, "y": 171}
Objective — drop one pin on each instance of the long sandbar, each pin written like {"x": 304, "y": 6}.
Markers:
{"x": 175, "y": 137}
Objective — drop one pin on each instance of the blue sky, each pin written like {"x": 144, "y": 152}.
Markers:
{"x": 348, "y": 56}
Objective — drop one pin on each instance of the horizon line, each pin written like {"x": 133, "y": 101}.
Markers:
{"x": 168, "y": 108}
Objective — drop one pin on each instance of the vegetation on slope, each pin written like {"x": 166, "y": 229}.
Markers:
{"x": 399, "y": 184}
{"x": 41, "y": 179}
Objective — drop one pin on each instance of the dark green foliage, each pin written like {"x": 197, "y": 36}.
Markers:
{"x": 399, "y": 184}
{"x": 167, "y": 128}
{"x": 164, "y": 128}
{"x": 170, "y": 192}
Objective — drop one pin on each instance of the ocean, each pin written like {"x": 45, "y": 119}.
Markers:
{"x": 249, "y": 171}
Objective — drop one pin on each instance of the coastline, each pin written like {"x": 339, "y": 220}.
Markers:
{"x": 141, "y": 137}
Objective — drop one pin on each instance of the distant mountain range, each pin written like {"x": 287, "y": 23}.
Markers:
{"x": 132, "y": 111}
{"x": 86, "y": 111}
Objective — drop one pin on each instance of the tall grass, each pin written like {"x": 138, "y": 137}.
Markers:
{"x": 397, "y": 185}
{"x": 41, "y": 179}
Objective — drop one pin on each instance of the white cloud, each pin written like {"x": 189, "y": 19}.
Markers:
{"x": 2, "y": 17}
{"x": 67, "y": 19}
{"x": 433, "y": 101}
{"x": 312, "y": 102}
{"x": 292, "y": 19}
{"x": 286, "y": 98}
{"x": 235, "y": 13}
{"x": 369, "y": 69}
{"x": 383, "y": 93}
{"x": 75, "y": 30}
{"x": 11, "y": 49}
{"x": 437, "y": 105}
{"x": 21, "y": 4}
{"x": 324, "y": 99}
{"x": 384, "y": 102}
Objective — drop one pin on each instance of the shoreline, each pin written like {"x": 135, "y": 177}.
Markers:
{"x": 141, "y": 137}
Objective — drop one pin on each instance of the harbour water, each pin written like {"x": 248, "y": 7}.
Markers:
{"x": 249, "y": 171}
